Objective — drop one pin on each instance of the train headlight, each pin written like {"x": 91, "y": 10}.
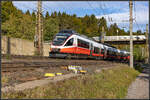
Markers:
{"x": 50, "y": 49}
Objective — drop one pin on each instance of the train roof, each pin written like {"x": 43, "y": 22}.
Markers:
{"x": 108, "y": 45}
{"x": 70, "y": 31}
{"x": 67, "y": 31}
{"x": 74, "y": 32}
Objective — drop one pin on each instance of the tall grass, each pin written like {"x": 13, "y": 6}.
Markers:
{"x": 112, "y": 83}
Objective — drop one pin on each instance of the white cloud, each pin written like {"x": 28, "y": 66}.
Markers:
{"x": 117, "y": 10}
{"x": 140, "y": 13}
{"x": 141, "y": 17}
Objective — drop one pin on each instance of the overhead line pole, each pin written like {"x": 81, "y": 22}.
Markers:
{"x": 147, "y": 44}
{"x": 102, "y": 35}
{"x": 39, "y": 29}
{"x": 131, "y": 37}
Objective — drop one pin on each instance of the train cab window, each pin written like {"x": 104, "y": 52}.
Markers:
{"x": 96, "y": 50}
{"x": 69, "y": 43}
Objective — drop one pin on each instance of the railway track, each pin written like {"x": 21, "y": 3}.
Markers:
{"x": 31, "y": 65}
{"x": 21, "y": 69}
{"x": 25, "y": 63}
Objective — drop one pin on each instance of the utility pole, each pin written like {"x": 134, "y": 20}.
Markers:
{"x": 131, "y": 37}
{"x": 117, "y": 38}
{"x": 39, "y": 29}
{"x": 8, "y": 46}
{"x": 102, "y": 35}
{"x": 147, "y": 45}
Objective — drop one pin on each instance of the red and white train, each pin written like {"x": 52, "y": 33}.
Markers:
{"x": 68, "y": 43}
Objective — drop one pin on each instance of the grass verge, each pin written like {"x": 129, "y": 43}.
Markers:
{"x": 111, "y": 83}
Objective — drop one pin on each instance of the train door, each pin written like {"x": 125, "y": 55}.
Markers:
{"x": 91, "y": 49}
{"x": 105, "y": 52}
{"x": 75, "y": 44}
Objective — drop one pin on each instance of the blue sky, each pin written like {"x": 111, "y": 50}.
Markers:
{"x": 118, "y": 11}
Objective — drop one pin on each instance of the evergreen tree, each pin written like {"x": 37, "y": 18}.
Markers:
{"x": 102, "y": 23}
{"x": 139, "y": 32}
{"x": 55, "y": 14}
{"x": 47, "y": 15}
{"x": 27, "y": 12}
{"x": 33, "y": 16}
{"x": 8, "y": 8}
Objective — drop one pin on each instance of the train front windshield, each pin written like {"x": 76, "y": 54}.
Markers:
{"x": 60, "y": 38}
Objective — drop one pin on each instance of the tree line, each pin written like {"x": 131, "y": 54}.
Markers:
{"x": 17, "y": 24}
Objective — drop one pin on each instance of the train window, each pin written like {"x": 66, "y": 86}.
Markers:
{"x": 60, "y": 38}
{"x": 69, "y": 43}
{"x": 108, "y": 52}
{"x": 102, "y": 51}
{"x": 96, "y": 50}
{"x": 83, "y": 44}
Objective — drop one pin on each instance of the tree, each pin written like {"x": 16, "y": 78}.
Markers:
{"x": 51, "y": 27}
{"x": 27, "y": 12}
{"x": 7, "y": 9}
{"x": 63, "y": 21}
{"x": 8, "y": 27}
{"x": 47, "y": 15}
{"x": 112, "y": 31}
{"x": 139, "y": 32}
{"x": 33, "y": 16}
{"x": 27, "y": 27}
{"x": 23, "y": 27}
{"x": 74, "y": 15}
{"x": 76, "y": 24}
{"x": 102, "y": 23}
{"x": 55, "y": 14}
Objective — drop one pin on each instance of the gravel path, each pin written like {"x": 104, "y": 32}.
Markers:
{"x": 35, "y": 83}
{"x": 139, "y": 89}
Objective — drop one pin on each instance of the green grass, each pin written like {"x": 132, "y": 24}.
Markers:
{"x": 112, "y": 83}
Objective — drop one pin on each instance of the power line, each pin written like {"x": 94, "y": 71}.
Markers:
{"x": 34, "y": 10}
{"x": 139, "y": 27}
{"x": 46, "y": 7}
{"x": 92, "y": 7}
{"x": 110, "y": 20}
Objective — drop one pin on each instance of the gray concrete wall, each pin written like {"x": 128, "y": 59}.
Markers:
{"x": 22, "y": 47}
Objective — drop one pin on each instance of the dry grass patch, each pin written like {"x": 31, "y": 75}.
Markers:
{"x": 111, "y": 83}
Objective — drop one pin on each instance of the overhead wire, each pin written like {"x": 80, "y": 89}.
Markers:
{"x": 139, "y": 27}
{"x": 34, "y": 10}
{"x": 93, "y": 7}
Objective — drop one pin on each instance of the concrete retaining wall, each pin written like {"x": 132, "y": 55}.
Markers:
{"x": 22, "y": 47}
